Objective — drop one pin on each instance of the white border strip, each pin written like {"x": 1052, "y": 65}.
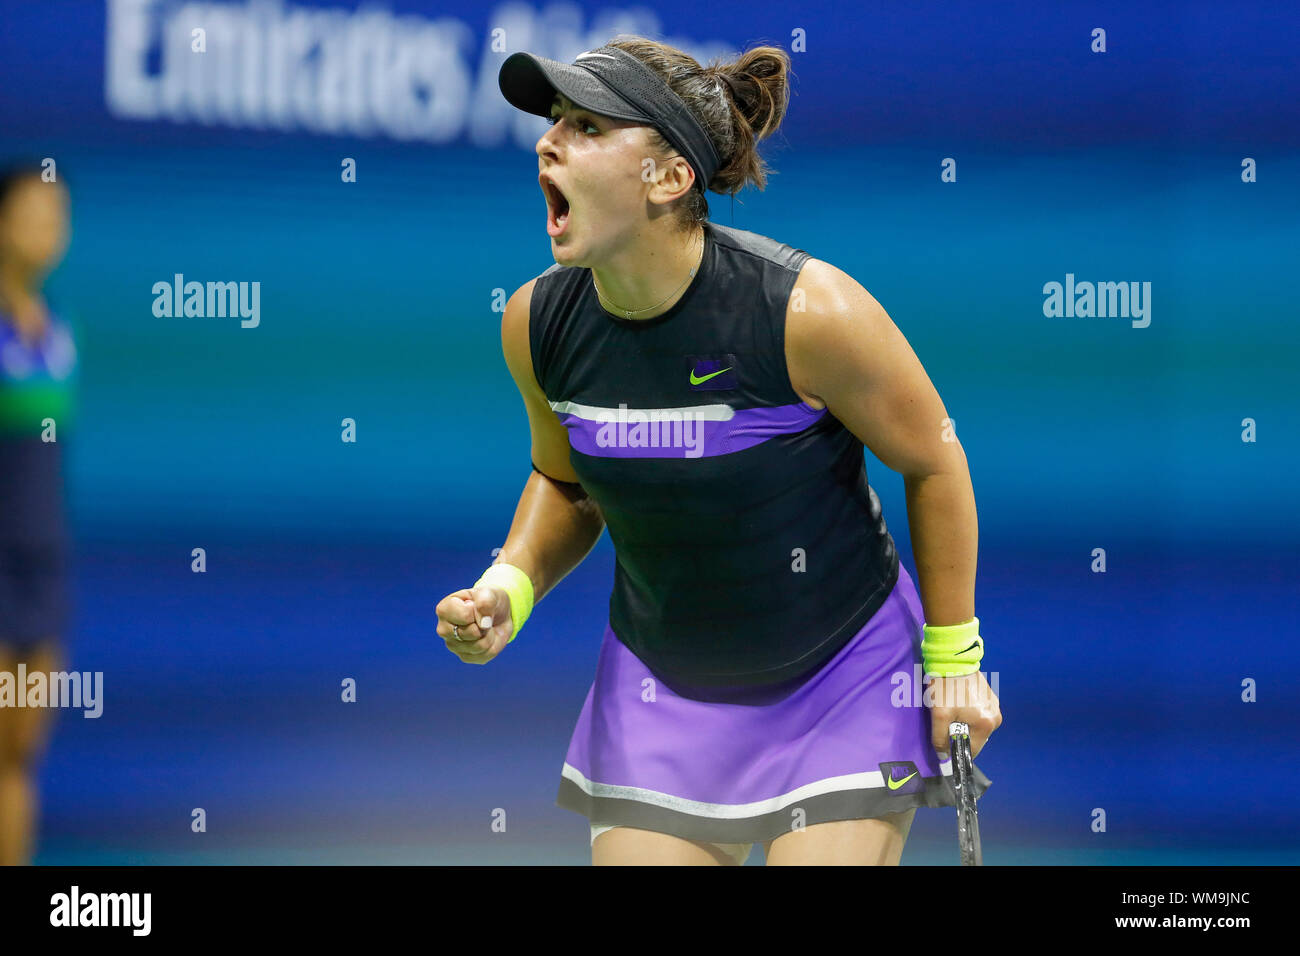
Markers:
{"x": 867, "y": 780}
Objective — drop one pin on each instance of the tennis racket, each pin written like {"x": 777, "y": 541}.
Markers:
{"x": 968, "y": 824}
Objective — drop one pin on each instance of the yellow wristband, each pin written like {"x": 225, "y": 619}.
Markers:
{"x": 952, "y": 650}
{"x": 515, "y": 583}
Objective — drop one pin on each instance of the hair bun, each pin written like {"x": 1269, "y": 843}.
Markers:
{"x": 731, "y": 81}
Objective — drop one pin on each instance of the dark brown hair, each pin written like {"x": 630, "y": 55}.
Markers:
{"x": 737, "y": 104}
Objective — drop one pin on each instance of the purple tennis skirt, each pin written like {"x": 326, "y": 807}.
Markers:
{"x": 834, "y": 747}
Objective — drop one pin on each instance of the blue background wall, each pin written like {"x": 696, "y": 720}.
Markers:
{"x": 1120, "y": 690}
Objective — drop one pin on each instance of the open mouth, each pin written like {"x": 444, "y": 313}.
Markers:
{"x": 557, "y": 208}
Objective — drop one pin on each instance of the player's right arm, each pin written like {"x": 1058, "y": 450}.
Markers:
{"x": 556, "y": 522}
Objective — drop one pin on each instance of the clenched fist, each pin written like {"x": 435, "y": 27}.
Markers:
{"x": 482, "y": 617}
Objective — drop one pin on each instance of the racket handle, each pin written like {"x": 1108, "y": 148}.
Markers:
{"x": 959, "y": 728}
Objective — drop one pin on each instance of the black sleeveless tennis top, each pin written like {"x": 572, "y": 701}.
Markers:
{"x": 749, "y": 546}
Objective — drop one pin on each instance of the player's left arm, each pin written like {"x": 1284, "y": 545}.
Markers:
{"x": 843, "y": 349}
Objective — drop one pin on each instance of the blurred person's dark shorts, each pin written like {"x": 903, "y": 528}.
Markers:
{"x": 33, "y": 542}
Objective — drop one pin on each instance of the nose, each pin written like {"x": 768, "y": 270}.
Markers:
{"x": 547, "y": 147}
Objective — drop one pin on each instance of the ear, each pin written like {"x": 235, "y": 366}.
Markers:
{"x": 672, "y": 179}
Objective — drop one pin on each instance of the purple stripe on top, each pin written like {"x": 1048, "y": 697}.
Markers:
{"x": 689, "y": 432}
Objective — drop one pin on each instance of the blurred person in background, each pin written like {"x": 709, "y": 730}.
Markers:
{"x": 37, "y": 361}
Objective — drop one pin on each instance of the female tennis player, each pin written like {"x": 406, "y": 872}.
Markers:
{"x": 37, "y": 360}
{"x": 705, "y": 393}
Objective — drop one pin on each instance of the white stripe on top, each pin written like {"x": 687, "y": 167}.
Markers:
{"x": 595, "y": 413}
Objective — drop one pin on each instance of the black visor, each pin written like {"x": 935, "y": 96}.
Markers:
{"x": 611, "y": 82}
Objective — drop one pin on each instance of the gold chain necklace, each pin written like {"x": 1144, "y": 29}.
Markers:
{"x": 631, "y": 312}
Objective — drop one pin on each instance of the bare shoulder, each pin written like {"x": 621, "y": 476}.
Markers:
{"x": 828, "y": 311}
{"x": 514, "y": 336}
{"x": 514, "y": 322}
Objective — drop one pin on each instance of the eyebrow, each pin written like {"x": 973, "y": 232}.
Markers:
{"x": 573, "y": 108}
